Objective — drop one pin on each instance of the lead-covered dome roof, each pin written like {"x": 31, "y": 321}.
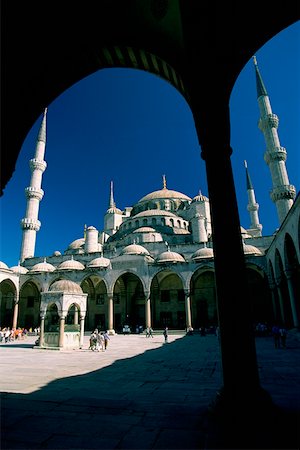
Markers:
{"x": 164, "y": 194}
{"x": 170, "y": 257}
{"x": 42, "y": 267}
{"x": 66, "y": 286}
{"x": 70, "y": 264}
{"x": 3, "y": 265}
{"x": 99, "y": 262}
{"x": 134, "y": 249}
{"x": 19, "y": 269}
{"x": 203, "y": 252}
{"x": 251, "y": 250}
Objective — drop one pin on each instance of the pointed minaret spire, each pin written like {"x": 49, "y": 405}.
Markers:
{"x": 111, "y": 196}
{"x": 283, "y": 193}
{"x": 164, "y": 182}
{"x": 30, "y": 224}
{"x": 255, "y": 227}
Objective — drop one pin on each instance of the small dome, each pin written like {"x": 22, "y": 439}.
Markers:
{"x": 145, "y": 230}
{"x": 251, "y": 250}
{"x": 19, "y": 269}
{"x": 70, "y": 264}
{"x": 3, "y": 265}
{"x": 204, "y": 252}
{"x": 42, "y": 267}
{"x": 56, "y": 253}
{"x": 200, "y": 198}
{"x": 76, "y": 244}
{"x": 99, "y": 262}
{"x": 113, "y": 210}
{"x": 66, "y": 286}
{"x": 169, "y": 257}
{"x": 134, "y": 249}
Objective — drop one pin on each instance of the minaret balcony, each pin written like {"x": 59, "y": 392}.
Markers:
{"x": 37, "y": 164}
{"x": 253, "y": 207}
{"x": 284, "y": 192}
{"x": 33, "y": 192}
{"x": 30, "y": 224}
{"x": 268, "y": 121}
{"x": 276, "y": 154}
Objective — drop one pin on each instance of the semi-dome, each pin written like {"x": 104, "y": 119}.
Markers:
{"x": 154, "y": 212}
{"x": 76, "y": 244}
{"x": 66, "y": 286}
{"x": 19, "y": 269}
{"x": 164, "y": 194}
{"x": 99, "y": 262}
{"x": 134, "y": 249}
{"x": 170, "y": 257}
{"x": 145, "y": 230}
{"x": 42, "y": 267}
{"x": 251, "y": 250}
{"x": 3, "y": 265}
{"x": 70, "y": 264}
{"x": 203, "y": 252}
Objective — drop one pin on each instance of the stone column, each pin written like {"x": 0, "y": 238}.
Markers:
{"x": 15, "y": 315}
{"x": 76, "y": 316}
{"x": 61, "y": 331}
{"x": 288, "y": 274}
{"x": 110, "y": 313}
{"x": 81, "y": 331}
{"x": 188, "y": 309}
{"x": 148, "y": 322}
{"x": 42, "y": 331}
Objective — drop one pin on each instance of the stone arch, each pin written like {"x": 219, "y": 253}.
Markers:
{"x": 292, "y": 273}
{"x": 96, "y": 288}
{"x": 259, "y": 295}
{"x": 283, "y": 293}
{"x": 203, "y": 298}
{"x": 29, "y": 305}
{"x": 8, "y": 294}
{"x": 52, "y": 317}
{"x": 167, "y": 300}
{"x": 128, "y": 301}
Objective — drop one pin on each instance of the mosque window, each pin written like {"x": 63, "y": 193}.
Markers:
{"x": 137, "y": 223}
{"x": 100, "y": 299}
{"x": 172, "y": 222}
{"x": 163, "y": 221}
{"x": 179, "y": 223}
{"x": 145, "y": 222}
{"x": 180, "y": 295}
{"x": 153, "y": 221}
{"x": 116, "y": 299}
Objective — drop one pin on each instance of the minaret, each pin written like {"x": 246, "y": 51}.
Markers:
{"x": 283, "y": 193}
{"x": 113, "y": 217}
{"x": 255, "y": 227}
{"x": 30, "y": 224}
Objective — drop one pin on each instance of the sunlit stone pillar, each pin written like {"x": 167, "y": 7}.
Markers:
{"x": 42, "y": 331}
{"x": 81, "y": 331}
{"x": 147, "y": 309}
{"x": 76, "y": 316}
{"x": 110, "y": 313}
{"x": 188, "y": 309}
{"x": 61, "y": 331}
{"x": 15, "y": 315}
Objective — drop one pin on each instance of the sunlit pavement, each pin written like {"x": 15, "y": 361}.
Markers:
{"x": 139, "y": 394}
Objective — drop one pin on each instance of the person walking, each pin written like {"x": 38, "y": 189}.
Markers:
{"x": 166, "y": 334}
{"x": 106, "y": 339}
{"x": 276, "y": 336}
{"x": 283, "y": 335}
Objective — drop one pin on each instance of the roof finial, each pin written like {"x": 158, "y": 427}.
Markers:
{"x": 164, "y": 182}
{"x": 245, "y": 164}
{"x": 254, "y": 60}
{"x": 111, "y": 196}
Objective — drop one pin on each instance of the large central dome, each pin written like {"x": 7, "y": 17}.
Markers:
{"x": 164, "y": 194}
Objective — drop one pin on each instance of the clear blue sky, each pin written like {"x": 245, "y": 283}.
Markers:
{"x": 132, "y": 127}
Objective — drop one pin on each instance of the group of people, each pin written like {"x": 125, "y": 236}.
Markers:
{"x": 99, "y": 341}
{"x": 149, "y": 333}
{"x": 279, "y": 335}
{"x": 8, "y": 334}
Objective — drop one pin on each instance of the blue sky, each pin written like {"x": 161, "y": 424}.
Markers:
{"x": 132, "y": 127}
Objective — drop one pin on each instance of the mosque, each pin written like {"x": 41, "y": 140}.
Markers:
{"x": 153, "y": 262}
